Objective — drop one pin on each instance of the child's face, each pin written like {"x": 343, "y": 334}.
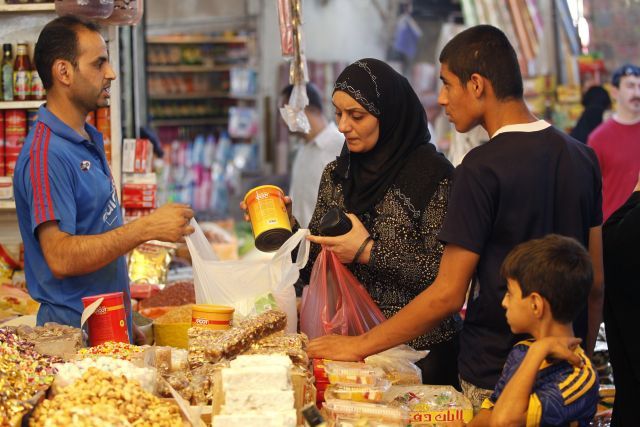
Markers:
{"x": 519, "y": 311}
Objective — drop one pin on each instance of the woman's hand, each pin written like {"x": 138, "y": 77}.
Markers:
{"x": 346, "y": 246}
{"x": 638, "y": 184}
{"x": 335, "y": 347}
{"x": 288, "y": 203}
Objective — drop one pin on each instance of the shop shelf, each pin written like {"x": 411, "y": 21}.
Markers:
{"x": 23, "y": 8}
{"x": 194, "y": 39}
{"x": 16, "y": 105}
{"x": 202, "y": 121}
{"x": 199, "y": 95}
{"x": 187, "y": 68}
{"x": 7, "y": 205}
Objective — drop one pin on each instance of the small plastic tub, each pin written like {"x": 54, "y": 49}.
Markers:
{"x": 353, "y": 373}
{"x": 209, "y": 316}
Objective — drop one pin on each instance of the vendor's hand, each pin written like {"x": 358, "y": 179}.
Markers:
{"x": 139, "y": 337}
{"x": 288, "y": 203}
{"x": 561, "y": 348}
{"x": 169, "y": 223}
{"x": 346, "y": 246}
{"x": 335, "y": 347}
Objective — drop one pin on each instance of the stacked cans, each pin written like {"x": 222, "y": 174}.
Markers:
{"x": 15, "y": 131}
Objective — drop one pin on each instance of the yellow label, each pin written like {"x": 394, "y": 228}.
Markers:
{"x": 267, "y": 210}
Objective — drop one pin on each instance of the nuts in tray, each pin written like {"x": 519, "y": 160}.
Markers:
{"x": 23, "y": 372}
{"x": 101, "y": 393}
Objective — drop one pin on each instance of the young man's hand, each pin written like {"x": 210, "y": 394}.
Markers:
{"x": 562, "y": 348}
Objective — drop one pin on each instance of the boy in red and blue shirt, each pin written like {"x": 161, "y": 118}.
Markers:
{"x": 547, "y": 380}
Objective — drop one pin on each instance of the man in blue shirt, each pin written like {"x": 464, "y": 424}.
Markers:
{"x": 68, "y": 210}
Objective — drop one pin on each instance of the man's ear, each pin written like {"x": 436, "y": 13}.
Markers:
{"x": 62, "y": 71}
{"x": 476, "y": 85}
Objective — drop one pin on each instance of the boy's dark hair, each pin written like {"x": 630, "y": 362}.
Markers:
{"x": 58, "y": 40}
{"x": 558, "y": 268}
{"x": 315, "y": 100}
{"x": 485, "y": 50}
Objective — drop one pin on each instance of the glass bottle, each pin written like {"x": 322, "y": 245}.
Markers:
{"x": 22, "y": 74}
{"x": 37, "y": 88}
{"x": 7, "y": 72}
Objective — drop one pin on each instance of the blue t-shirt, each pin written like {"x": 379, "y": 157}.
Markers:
{"x": 523, "y": 184}
{"x": 60, "y": 176}
{"x": 562, "y": 393}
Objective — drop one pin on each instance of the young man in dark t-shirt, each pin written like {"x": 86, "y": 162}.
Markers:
{"x": 527, "y": 181}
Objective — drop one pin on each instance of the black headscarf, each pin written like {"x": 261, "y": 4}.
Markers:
{"x": 404, "y": 135}
{"x": 596, "y": 101}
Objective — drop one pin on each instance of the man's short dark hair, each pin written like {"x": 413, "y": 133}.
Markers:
{"x": 558, "y": 268}
{"x": 315, "y": 100}
{"x": 485, "y": 50}
{"x": 58, "y": 40}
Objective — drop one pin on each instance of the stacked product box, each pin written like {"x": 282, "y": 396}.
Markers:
{"x": 139, "y": 191}
{"x": 139, "y": 183}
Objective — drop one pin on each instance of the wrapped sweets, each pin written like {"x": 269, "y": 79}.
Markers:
{"x": 52, "y": 339}
{"x": 207, "y": 346}
{"x": 118, "y": 397}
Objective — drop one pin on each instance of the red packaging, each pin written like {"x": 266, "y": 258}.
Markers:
{"x": 143, "y": 290}
{"x": 2, "y": 170}
{"x": 10, "y": 158}
{"x": 15, "y": 127}
{"x": 91, "y": 118}
{"x": 137, "y": 156}
{"x": 109, "y": 321}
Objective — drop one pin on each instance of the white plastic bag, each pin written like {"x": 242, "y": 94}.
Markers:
{"x": 245, "y": 285}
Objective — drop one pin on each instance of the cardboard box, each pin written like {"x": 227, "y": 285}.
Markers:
{"x": 137, "y": 155}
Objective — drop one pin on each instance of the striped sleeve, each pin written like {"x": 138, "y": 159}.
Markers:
{"x": 50, "y": 191}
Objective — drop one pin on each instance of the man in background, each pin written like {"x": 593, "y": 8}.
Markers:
{"x": 617, "y": 141}
{"x": 320, "y": 146}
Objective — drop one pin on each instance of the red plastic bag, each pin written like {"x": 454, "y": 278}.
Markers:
{"x": 335, "y": 302}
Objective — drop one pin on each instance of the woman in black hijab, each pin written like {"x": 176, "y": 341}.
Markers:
{"x": 395, "y": 187}
{"x": 596, "y": 101}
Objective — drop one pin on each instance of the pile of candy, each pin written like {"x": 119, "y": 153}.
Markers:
{"x": 117, "y": 350}
{"x": 23, "y": 372}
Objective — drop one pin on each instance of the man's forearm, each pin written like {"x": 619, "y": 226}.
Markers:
{"x": 78, "y": 255}
{"x": 422, "y": 314}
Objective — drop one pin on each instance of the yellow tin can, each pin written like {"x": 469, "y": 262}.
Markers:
{"x": 269, "y": 218}
{"x": 218, "y": 317}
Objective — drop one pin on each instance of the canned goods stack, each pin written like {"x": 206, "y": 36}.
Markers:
{"x": 15, "y": 131}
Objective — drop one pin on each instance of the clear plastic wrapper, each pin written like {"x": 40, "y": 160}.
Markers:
{"x": 352, "y": 373}
{"x": 373, "y": 393}
{"x": 399, "y": 365}
{"x": 343, "y": 411}
{"x": 293, "y": 112}
{"x": 431, "y": 405}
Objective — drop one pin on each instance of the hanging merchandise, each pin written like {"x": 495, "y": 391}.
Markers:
{"x": 126, "y": 12}
{"x": 91, "y": 9}
{"x": 293, "y": 112}
{"x": 286, "y": 27}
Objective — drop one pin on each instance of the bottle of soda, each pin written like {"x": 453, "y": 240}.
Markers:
{"x": 22, "y": 74}
{"x": 7, "y": 72}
